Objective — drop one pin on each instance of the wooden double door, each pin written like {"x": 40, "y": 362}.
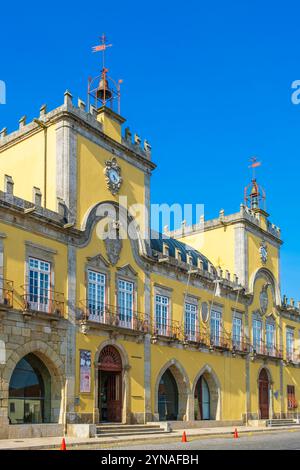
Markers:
{"x": 264, "y": 392}
{"x": 110, "y": 399}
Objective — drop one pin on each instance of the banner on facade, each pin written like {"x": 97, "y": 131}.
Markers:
{"x": 85, "y": 371}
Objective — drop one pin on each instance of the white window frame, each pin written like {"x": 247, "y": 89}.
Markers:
{"x": 237, "y": 339}
{"x": 216, "y": 320}
{"x": 190, "y": 321}
{"x": 162, "y": 314}
{"x": 271, "y": 348}
{"x": 96, "y": 305}
{"x": 257, "y": 342}
{"x": 290, "y": 344}
{"x": 39, "y": 293}
{"x": 125, "y": 301}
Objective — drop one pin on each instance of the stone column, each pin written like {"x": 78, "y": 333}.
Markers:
{"x": 241, "y": 254}
{"x": 70, "y": 415}
{"x": 147, "y": 351}
{"x": 281, "y": 371}
{"x": 247, "y": 367}
{"x": 66, "y": 167}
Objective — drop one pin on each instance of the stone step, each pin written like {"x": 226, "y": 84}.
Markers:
{"x": 282, "y": 422}
{"x": 126, "y": 430}
{"x": 126, "y": 426}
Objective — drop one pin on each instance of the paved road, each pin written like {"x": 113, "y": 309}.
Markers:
{"x": 262, "y": 441}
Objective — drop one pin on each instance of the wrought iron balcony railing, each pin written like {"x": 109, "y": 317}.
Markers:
{"x": 167, "y": 329}
{"x": 111, "y": 315}
{"x": 43, "y": 300}
{"x": 6, "y": 292}
{"x": 240, "y": 345}
{"x": 292, "y": 356}
{"x": 266, "y": 350}
{"x": 220, "y": 341}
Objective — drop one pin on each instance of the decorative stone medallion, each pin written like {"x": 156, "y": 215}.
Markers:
{"x": 263, "y": 251}
{"x": 264, "y": 300}
{"x": 113, "y": 176}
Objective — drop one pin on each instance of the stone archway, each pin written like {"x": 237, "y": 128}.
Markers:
{"x": 54, "y": 365}
{"x": 268, "y": 276}
{"x": 214, "y": 389}
{"x": 183, "y": 386}
{"x": 126, "y": 417}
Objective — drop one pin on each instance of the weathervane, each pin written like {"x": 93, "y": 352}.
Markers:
{"x": 254, "y": 164}
{"x": 255, "y": 195}
{"x": 103, "y": 90}
{"x": 102, "y": 48}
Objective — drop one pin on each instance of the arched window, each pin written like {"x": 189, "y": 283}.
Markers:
{"x": 168, "y": 397}
{"x": 202, "y": 400}
{"x": 30, "y": 392}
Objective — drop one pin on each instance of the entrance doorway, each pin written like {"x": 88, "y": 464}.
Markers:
{"x": 168, "y": 397}
{"x": 110, "y": 385}
{"x": 202, "y": 400}
{"x": 264, "y": 387}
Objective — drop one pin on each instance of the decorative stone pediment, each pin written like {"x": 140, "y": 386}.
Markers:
{"x": 98, "y": 262}
{"x": 127, "y": 271}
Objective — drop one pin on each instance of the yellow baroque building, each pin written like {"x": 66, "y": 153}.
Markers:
{"x": 103, "y": 321}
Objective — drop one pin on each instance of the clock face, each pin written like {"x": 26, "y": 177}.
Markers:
{"x": 114, "y": 176}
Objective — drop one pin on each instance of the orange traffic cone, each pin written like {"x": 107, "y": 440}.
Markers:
{"x": 184, "y": 439}
{"x": 63, "y": 445}
{"x": 236, "y": 435}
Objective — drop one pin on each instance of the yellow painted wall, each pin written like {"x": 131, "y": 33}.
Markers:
{"x": 110, "y": 127}
{"x": 217, "y": 245}
{"x": 255, "y": 262}
{"x": 230, "y": 372}
{"x": 15, "y": 258}
{"x": 91, "y": 180}
{"x": 24, "y": 162}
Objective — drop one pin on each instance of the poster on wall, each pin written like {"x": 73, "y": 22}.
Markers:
{"x": 85, "y": 371}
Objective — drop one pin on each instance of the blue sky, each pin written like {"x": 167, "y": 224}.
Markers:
{"x": 207, "y": 83}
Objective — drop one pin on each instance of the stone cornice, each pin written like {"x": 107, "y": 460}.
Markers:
{"x": 233, "y": 219}
{"x": 83, "y": 120}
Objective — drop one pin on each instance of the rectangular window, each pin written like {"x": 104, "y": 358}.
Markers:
{"x": 39, "y": 285}
{"x": 190, "y": 323}
{"x": 237, "y": 332}
{"x": 162, "y": 315}
{"x": 270, "y": 338}
{"x": 292, "y": 404}
{"x": 215, "y": 327}
{"x": 290, "y": 344}
{"x": 125, "y": 303}
{"x": 96, "y": 296}
{"x": 257, "y": 335}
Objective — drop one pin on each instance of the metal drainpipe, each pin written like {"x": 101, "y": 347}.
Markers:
{"x": 43, "y": 126}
